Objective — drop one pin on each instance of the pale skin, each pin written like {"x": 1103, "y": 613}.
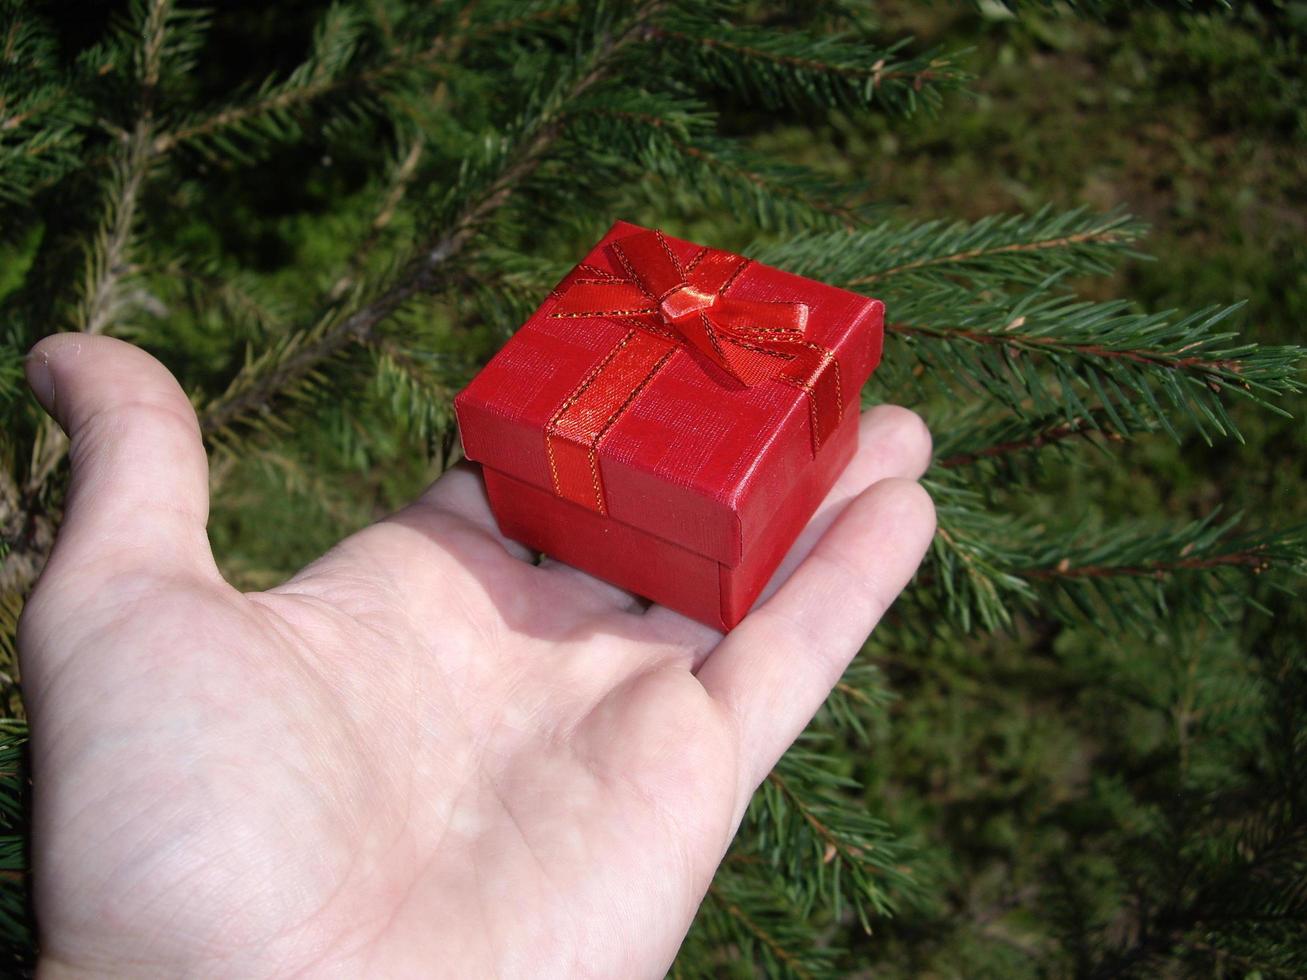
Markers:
{"x": 421, "y": 756}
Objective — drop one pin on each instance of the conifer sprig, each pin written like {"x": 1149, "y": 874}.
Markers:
{"x": 1237, "y": 896}
{"x": 248, "y": 123}
{"x": 109, "y": 256}
{"x": 798, "y": 70}
{"x": 418, "y": 395}
{"x": 836, "y": 855}
{"x": 239, "y": 301}
{"x": 746, "y": 907}
{"x": 972, "y": 559}
{"x": 991, "y": 565}
{"x": 1049, "y": 353}
{"x": 1132, "y": 575}
{"x": 904, "y": 255}
{"x": 997, "y": 442}
{"x": 41, "y": 118}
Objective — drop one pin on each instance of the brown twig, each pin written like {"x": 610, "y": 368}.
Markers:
{"x": 1085, "y": 427}
{"x": 1251, "y": 558}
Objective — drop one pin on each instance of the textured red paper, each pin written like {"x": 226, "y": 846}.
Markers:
{"x": 707, "y": 481}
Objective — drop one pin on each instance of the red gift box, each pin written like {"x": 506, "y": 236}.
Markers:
{"x": 671, "y": 416}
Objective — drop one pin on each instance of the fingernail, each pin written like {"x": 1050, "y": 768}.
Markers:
{"x": 40, "y": 377}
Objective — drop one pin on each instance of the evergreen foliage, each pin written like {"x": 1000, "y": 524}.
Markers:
{"x": 325, "y": 218}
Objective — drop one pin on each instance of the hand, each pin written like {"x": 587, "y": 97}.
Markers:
{"x": 421, "y": 756}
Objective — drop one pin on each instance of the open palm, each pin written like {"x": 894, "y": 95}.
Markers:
{"x": 421, "y": 756}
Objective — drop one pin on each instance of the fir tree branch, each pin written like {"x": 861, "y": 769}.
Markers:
{"x": 767, "y": 184}
{"x": 859, "y": 697}
{"x": 17, "y": 939}
{"x": 1255, "y": 559}
{"x": 777, "y": 196}
{"x": 748, "y": 907}
{"x": 419, "y": 397}
{"x": 41, "y": 118}
{"x": 899, "y": 260}
{"x": 1261, "y": 967}
{"x": 832, "y": 842}
{"x": 971, "y": 255}
{"x": 988, "y": 565}
{"x": 1100, "y": 8}
{"x": 110, "y": 265}
{"x": 1044, "y": 353}
{"x": 971, "y": 556}
{"x": 1260, "y": 884}
{"x": 294, "y": 361}
{"x": 321, "y": 75}
{"x": 876, "y": 72}
{"x": 789, "y": 960}
{"x": 109, "y": 262}
{"x": 237, "y": 297}
{"x": 267, "y": 379}
{"x": 269, "y": 114}
{"x": 999, "y": 239}
{"x": 1173, "y": 360}
{"x": 799, "y": 70}
{"x": 972, "y": 572}
{"x": 1095, "y": 423}
{"x": 293, "y": 477}
{"x": 272, "y": 102}
{"x": 1202, "y": 545}
{"x": 562, "y": 12}
{"x": 808, "y": 828}
{"x": 318, "y": 78}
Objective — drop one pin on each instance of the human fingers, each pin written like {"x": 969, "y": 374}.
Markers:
{"x": 776, "y": 668}
{"x": 892, "y": 442}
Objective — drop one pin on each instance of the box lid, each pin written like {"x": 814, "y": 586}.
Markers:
{"x": 694, "y": 457}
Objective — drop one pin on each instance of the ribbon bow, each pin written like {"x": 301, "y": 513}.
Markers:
{"x": 672, "y": 307}
{"x": 751, "y": 340}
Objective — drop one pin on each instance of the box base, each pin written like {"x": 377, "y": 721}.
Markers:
{"x": 666, "y": 573}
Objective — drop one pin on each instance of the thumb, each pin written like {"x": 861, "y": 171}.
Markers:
{"x": 138, "y": 500}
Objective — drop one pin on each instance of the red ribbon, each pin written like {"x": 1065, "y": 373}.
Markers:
{"x": 672, "y": 306}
